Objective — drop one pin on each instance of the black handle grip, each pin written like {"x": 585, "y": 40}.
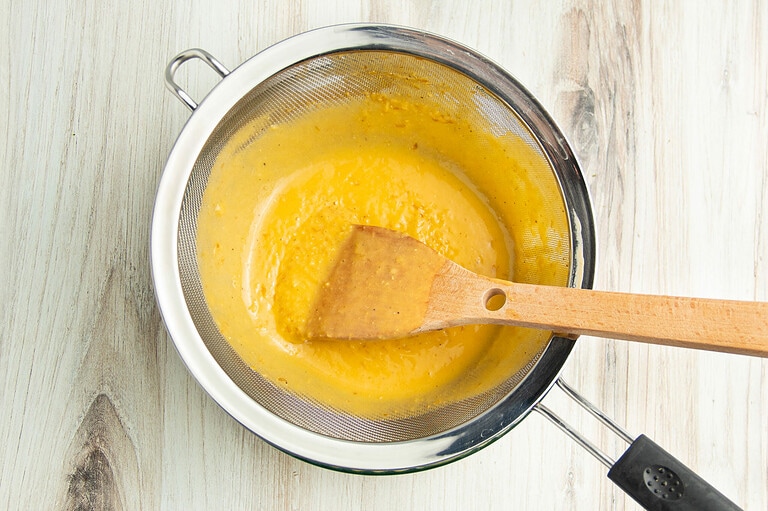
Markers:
{"x": 659, "y": 482}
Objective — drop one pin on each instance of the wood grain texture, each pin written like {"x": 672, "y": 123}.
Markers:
{"x": 665, "y": 102}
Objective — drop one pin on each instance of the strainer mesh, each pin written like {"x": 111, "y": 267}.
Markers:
{"x": 304, "y": 87}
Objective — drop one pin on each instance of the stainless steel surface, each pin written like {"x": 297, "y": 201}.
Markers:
{"x": 572, "y": 432}
{"x": 569, "y": 430}
{"x": 181, "y": 58}
{"x": 597, "y": 413}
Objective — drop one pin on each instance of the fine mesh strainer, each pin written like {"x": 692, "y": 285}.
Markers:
{"x": 300, "y": 75}
{"x": 303, "y": 74}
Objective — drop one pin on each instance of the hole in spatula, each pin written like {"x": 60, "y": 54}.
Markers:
{"x": 495, "y": 299}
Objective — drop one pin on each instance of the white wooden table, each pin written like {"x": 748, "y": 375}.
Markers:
{"x": 666, "y": 104}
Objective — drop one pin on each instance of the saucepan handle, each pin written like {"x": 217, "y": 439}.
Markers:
{"x": 657, "y": 480}
{"x": 178, "y": 60}
{"x": 646, "y": 472}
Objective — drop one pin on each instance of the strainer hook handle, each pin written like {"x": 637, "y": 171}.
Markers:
{"x": 178, "y": 60}
{"x": 646, "y": 472}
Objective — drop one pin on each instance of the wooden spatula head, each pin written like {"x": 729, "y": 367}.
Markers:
{"x": 378, "y": 288}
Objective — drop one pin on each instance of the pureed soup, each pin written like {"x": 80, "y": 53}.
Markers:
{"x": 281, "y": 201}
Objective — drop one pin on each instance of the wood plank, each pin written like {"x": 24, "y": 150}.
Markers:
{"x": 664, "y": 102}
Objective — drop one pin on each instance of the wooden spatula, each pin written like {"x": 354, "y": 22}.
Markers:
{"x": 388, "y": 285}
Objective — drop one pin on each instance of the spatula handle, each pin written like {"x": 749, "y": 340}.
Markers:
{"x": 719, "y": 325}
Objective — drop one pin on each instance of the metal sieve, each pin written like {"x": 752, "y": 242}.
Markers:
{"x": 326, "y": 67}
{"x": 284, "y": 82}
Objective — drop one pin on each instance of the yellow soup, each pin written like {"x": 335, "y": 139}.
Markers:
{"x": 280, "y": 202}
